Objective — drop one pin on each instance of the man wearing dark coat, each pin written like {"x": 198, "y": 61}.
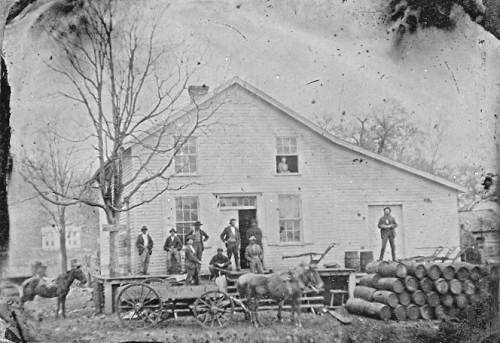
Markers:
{"x": 144, "y": 244}
{"x": 193, "y": 264}
{"x": 387, "y": 225}
{"x": 199, "y": 237}
{"x": 173, "y": 246}
{"x": 231, "y": 237}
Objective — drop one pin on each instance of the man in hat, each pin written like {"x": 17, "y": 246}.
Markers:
{"x": 253, "y": 254}
{"x": 173, "y": 246}
{"x": 231, "y": 237}
{"x": 144, "y": 244}
{"x": 387, "y": 225}
{"x": 193, "y": 263}
{"x": 199, "y": 237}
{"x": 219, "y": 263}
{"x": 255, "y": 231}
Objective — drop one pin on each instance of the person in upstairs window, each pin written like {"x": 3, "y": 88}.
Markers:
{"x": 199, "y": 237}
{"x": 253, "y": 254}
{"x": 193, "y": 264}
{"x": 219, "y": 264}
{"x": 283, "y": 166}
{"x": 173, "y": 246}
{"x": 387, "y": 225}
{"x": 144, "y": 244}
{"x": 231, "y": 237}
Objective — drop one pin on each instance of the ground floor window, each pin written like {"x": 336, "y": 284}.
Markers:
{"x": 290, "y": 218}
{"x": 186, "y": 213}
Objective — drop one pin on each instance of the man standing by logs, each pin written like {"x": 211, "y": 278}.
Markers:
{"x": 144, "y": 244}
{"x": 173, "y": 246}
{"x": 387, "y": 225}
{"x": 231, "y": 237}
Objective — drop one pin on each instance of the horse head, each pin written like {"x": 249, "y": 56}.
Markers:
{"x": 309, "y": 276}
{"x": 78, "y": 274}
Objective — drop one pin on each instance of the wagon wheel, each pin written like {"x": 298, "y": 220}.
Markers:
{"x": 213, "y": 308}
{"x": 138, "y": 304}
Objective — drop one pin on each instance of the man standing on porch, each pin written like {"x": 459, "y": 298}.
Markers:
{"x": 253, "y": 254}
{"x": 192, "y": 264}
{"x": 199, "y": 237}
{"x": 144, "y": 244}
{"x": 231, "y": 237}
{"x": 173, "y": 246}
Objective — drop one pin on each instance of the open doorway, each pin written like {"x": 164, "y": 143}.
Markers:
{"x": 244, "y": 219}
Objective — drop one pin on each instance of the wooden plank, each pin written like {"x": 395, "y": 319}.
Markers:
{"x": 341, "y": 318}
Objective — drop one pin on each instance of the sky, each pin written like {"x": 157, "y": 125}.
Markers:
{"x": 446, "y": 78}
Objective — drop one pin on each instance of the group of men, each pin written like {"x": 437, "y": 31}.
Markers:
{"x": 219, "y": 264}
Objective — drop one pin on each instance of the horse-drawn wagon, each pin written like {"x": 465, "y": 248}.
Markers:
{"x": 213, "y": 303}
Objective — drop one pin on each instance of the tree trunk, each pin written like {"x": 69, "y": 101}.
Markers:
{"x": 62, "y": 240}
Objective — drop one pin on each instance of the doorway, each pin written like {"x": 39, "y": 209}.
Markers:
{"x": 244, "y": 219}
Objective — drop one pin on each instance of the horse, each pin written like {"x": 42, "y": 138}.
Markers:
{"x": 279, "y": 287}
{"x": 60, "y": 288}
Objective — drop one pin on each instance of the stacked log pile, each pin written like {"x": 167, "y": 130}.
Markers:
{"x": 413, "y": 290}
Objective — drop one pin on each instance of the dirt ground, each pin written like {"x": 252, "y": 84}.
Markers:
{"x": 83, "y": 325}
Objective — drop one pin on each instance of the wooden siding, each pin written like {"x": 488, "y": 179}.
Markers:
{"x": 336, "y": 186}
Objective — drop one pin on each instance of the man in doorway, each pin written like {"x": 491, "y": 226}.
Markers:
{"x": 144, "y": 244}
{"x": 193, "y": 264}
{"x": 387, "y": 225}
{"x": 219, "y": 264}
{"x": 253, "y": 254}
{"x": 173, "y": 246}
{"x": 231, "y": 237}
{"x": 199, "y": 237}
{"x": 256, "y": 232}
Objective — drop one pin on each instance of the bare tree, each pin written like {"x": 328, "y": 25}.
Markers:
{"x": 127, "y": 85}
{"x": 50, "y": 168}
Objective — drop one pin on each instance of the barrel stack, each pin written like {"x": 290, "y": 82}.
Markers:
{"x": 411, "y": 290}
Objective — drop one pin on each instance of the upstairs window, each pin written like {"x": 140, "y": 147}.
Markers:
{"x": 186, "y": 213}
{"x": 287, "y": 157}
{"x": 186, "y": 160}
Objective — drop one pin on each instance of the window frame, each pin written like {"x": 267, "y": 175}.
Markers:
{"x": 179, "y": 223}
{"x": 180, "y": 154}
{"x": 298, "y": 219}
{"x": 278, "y": 143}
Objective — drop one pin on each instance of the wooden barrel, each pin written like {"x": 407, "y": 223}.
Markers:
{"x": 412, "y": 312}
{"x": 411, "y": 284}
{"x": 364, "y": 292}
{"x": 351, "y": 260}
{"x": 468, "y": 287}
{"x": 455, "y": 286}
{"x": 461, "y": 271}
{"x": 404, "y": 298}
{"x": 441, "y": 312}
{"x": 447, "y": 270}
{"x": 390, "y": 284}
{"x": 373, "y": 267}
{"x": 399, "y": 312}
{"x": 415, "y": 269}
{"x": 441, "y": 286}
{"x": 432, "y": 270}
{"x": 432, "y": 299}
{"x": 447, "y": 300}
{"x": 363, "y": 307}
{"x": 418, "y": 297}
{"x": 461, "y": 300}
{"x": 426, "y": 285}
{"x": 393, "y": 269}
{"x": 369, "y": 280}
{"x": 386, "y": 297}
{"x": 365, "y": 257}
{"x": 426, "y": 312}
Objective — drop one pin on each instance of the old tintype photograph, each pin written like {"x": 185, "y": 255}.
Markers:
{"x": 249, "y": 171}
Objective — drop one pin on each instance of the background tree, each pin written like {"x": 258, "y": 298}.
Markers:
{"x": 54, "y": 172}
{"x": 127, "y": 83}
